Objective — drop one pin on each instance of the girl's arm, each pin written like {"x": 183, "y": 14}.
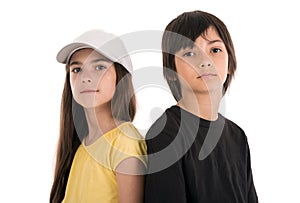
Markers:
{"x": 130, "y": 180}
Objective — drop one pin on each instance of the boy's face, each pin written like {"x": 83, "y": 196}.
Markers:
{"x": 204, "y": 67}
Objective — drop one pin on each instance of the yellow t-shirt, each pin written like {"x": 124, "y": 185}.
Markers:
{"x": 93, "y": 177}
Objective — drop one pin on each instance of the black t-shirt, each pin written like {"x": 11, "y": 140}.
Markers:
{"x": 195, "y": 160}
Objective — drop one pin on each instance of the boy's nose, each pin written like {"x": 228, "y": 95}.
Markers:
{"x": 203, "y": 65}
{"x": 204, "y": 61}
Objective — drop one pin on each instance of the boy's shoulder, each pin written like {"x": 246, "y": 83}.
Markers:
{"x": 232, "y": 124}
{"x": 166, "y": 123}
{"x": 234, "y": 130}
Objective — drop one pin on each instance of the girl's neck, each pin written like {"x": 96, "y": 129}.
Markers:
{"x": 100, "y": 121}
{"x": 204, "y": 105}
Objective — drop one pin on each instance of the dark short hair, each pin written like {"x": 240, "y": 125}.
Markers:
{"x": 182, "y": 32}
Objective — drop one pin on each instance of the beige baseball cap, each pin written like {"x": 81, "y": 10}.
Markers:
{"x": 104, "y": 43}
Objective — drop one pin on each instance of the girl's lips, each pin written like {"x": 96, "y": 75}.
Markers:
{"x": 89, "y": 91}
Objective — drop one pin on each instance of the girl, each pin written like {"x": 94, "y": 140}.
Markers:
{"x": 100, "y": 155}
{"x": 208, "y": 155}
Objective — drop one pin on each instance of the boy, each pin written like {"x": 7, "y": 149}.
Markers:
{"x": 194, "y": 153}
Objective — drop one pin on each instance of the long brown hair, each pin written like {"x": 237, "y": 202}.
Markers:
{"x": 72, "y": 115}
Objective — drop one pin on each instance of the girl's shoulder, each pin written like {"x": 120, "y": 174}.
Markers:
{"x": 120, "y": 143}
{"x": 126, "y": 138}
{"x": 125, "y": 130}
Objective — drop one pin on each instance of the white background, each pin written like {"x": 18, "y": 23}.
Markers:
{"x": 263, "y": 98}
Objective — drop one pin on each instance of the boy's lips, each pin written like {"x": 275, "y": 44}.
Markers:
{"x": 89, "y": 91}
{"x": 207, "y": 75}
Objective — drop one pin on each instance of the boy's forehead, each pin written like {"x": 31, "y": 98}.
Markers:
{"x": 210, "y": 34}
{"x": 175, "y": 42}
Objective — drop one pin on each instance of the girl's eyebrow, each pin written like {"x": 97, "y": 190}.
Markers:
{"x": 100, "y": 59}
{"x": 75, "y": 63}
{"x": 93, "y": 61}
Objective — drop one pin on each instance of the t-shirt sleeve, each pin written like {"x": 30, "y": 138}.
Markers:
{"x": 166, "y": 185}
{"x": 252, "y": 196}
{"x": 127, "y": 144}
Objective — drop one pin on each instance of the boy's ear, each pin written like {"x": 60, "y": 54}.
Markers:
{"x": 229, "y": 72}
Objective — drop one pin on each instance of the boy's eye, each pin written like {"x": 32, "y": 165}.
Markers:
{"x": 189, "y": 53}
{"x": 216, "y": 50}
{"x": 76, "y": 70}
{"x": 100, "y": 67}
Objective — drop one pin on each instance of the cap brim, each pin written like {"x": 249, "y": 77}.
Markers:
{"x": 64, "y": 54}
{"x": 110, "y": 49}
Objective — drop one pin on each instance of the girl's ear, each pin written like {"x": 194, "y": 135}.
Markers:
{"x": 171, "y": 75}
{"x": 172, "y": 78}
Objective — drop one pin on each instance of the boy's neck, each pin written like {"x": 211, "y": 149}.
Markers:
{"x": 204, "y": 105}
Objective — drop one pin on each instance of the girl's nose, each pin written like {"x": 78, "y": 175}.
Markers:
{"x": 86, "y": 76}
{"x": 86, "y": 81}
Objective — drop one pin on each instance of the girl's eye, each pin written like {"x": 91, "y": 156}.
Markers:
{"x": 100, "y": 67}
{"x": 216, "y": 50}
{"x": 189, "y": 53}
{"x": 76, "y": 70}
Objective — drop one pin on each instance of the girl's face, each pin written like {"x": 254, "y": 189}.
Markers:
{"x": 204, "y": 67}
{"x": 92, "y": 78}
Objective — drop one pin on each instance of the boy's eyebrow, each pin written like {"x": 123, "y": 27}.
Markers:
{"x": 214, "y": 41}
